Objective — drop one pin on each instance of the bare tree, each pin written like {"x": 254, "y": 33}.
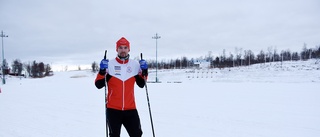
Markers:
{"x": 17, "y": 67}
{"x": 38, "y": 70}
{"x": 94, "y": 67}
{"x": 261, "y": 57}
{"x": 270, "y": 54}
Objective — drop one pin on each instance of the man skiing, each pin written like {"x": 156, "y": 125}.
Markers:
{"x": 121, "y": 74}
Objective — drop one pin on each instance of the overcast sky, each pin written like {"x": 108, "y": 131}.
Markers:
{"x": 78, "y": 31}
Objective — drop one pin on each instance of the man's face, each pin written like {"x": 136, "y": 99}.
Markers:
{"x": 123, "y": 51}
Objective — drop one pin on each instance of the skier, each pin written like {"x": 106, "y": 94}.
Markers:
{"x": 121, "y": 74}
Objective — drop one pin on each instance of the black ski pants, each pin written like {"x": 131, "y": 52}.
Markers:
{"x": 128, "y": 118}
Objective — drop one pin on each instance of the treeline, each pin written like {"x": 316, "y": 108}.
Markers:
{"x": 33, "y": 69}
{"x": 239, "y": 58}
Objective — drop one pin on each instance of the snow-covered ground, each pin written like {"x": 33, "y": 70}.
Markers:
{"x": 263, "y": 100}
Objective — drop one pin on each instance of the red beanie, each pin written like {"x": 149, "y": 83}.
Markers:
{"x": 121, "y": 42}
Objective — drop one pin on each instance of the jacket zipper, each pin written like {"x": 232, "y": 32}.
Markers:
{"x": 123, "y": 89}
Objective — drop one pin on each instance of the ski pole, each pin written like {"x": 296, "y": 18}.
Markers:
{"x": 105, "y": 94}
{"x": 145, "y": 82}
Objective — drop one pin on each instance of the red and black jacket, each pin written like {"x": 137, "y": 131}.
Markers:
{"x": 121, "y": 77}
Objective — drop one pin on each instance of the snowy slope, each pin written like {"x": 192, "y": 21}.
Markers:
{"x": 263, "y": 100}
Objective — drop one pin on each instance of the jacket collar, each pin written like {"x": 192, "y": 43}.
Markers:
{"x": 122, "y": 61}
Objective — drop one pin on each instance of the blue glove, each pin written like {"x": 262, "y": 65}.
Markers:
{"x": 104, "y": 64}
{"x": 143, "y": 64}
{"x": 144, "y": 67}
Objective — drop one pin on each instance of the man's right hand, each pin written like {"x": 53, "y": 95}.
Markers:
{"x": 104, "y": 64}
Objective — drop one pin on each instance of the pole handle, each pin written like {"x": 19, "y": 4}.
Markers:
{"x": 105, "y": 54}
